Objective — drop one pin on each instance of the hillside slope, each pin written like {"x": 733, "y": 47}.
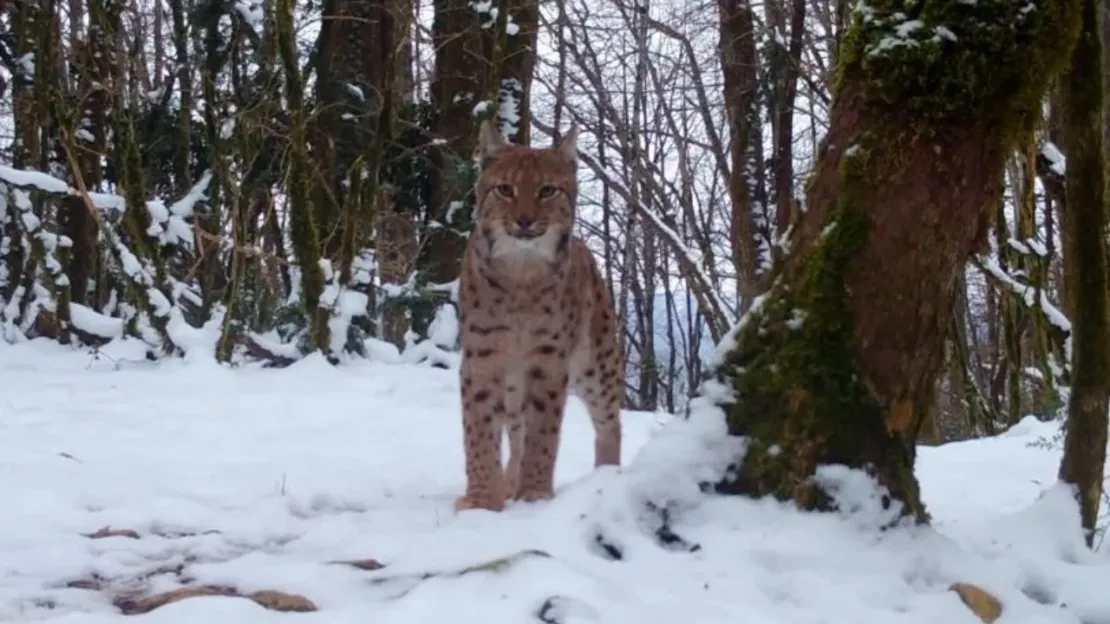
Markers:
{"x": 248, "y": 480}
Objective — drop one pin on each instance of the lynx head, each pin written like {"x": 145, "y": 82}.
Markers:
{"x": 525, "y": 196}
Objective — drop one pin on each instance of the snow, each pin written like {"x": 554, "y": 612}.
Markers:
{"x": 508, "y": 113}
{"x": 89, "y": 320}
{"x": 32, "y": 179}
{"x": 252, "y": 14}
{"x": 1028, "y": 294}
{"x": 444, "y": 328}
{"x": 729, "y": 341}
{"x": 1055, "y": 158}
{"x": 481, "y": 108}
{"x": 261, "y": 479}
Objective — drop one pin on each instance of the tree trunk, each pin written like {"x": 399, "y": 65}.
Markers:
{"x": 303, "y": 230}
{"x": 784, "y": 59}
{"x": 739, "y": 68}
{"x": 457, "y": 88}
{"x": 483, "y": 69}
{"x": 349, "y": 68}
{"x": 515, "y": 72}
{"x": 839, "y": 362}
{"x": 1085, "y": 440}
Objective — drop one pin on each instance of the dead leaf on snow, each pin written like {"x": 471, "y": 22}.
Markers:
{"x": 136, "y": 606}
{"x": 267, "y": 599}
{"x": 93, "y": 583}
{"x": 985, "y": 606}
{"x": 110, "y": 532}
{"x": 281, "y": 601}
{"x": 361, "y": 564}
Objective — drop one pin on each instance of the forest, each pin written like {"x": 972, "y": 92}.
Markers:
{"x": 880, "y": 224}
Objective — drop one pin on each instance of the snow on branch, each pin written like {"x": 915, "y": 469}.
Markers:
{"x": 683, "y": 252}
{"x": 170, "y": 220}
{"x": 713, "y": 308}
{"x": 149, "y": 290}
{"x": 1055, "y": 158}
{"x": 1029, "y": 296}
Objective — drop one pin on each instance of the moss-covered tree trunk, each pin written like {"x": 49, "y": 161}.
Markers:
{"x": 349, "y": 66}
{"x": 839, "y": 362}
{"x": 1086, "y": 436}
{"x": 303, "y": 230}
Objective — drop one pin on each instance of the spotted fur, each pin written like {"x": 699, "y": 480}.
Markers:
{"x": 536, "y": 322}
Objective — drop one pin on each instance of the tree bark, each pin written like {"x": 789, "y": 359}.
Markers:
{"x": 1086, "y": 436}
{"x": 739, "y": 68}
{"x": 303, "y": 230}
{"x": 350, "y": 66}
{"x": 457, "y": 87}
{"x": 839, "y": 362}
{"x": 784, "y": 59}
{"x": 483, "y": 69}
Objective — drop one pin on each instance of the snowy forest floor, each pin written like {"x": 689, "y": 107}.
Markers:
{"x": 253, "y": 479}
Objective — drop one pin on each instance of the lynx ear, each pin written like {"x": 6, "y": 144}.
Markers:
{"x": 568, "y": 145}
{"x": 490, "y": 141}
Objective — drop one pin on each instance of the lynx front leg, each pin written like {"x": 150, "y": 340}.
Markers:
{"x": 483, "y": 409}
{"x": 543, "y": 420}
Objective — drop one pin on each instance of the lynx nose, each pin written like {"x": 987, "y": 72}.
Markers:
{"x": 527, "y": 229}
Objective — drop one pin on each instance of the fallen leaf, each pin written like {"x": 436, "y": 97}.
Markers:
{"x": 136, "y": 606}
{"x": 985, "y": 606}
{"x": 110, "y": 532}
{"x": 362, "y": 564}
{"x": 281, "y": 601}
{"x": 94, "y": 584}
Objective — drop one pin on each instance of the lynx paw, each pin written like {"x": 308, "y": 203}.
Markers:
{"x": 468, "y": 501}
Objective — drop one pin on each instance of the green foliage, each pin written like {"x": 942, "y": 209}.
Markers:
{"x": 290, "y": 321}
{"x": 407, "y": 167}
{"x": 457, "y": 220}
{"x": 158, "y": 136}
{"x": 410, "y": 172}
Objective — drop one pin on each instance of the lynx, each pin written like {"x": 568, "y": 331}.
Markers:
{"x": 536, "y": 322}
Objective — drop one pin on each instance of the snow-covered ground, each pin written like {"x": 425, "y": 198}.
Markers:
{"x": 262, "y": 479}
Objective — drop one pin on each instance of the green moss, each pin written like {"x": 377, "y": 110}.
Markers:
{"x": 797, "y": 358}
{"x": 916, "y": 72}
{"x": 946, "y": 60}
{"x": 303, "y": 230}
{"x": 799, "y": 400}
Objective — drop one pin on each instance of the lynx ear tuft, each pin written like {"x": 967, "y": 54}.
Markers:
{"x": 568, "y": 145}
{"x": 490, "y": 141}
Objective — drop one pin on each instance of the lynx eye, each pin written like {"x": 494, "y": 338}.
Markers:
{"x": 547, "y": 191}
{"x": 505, "y": 190}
